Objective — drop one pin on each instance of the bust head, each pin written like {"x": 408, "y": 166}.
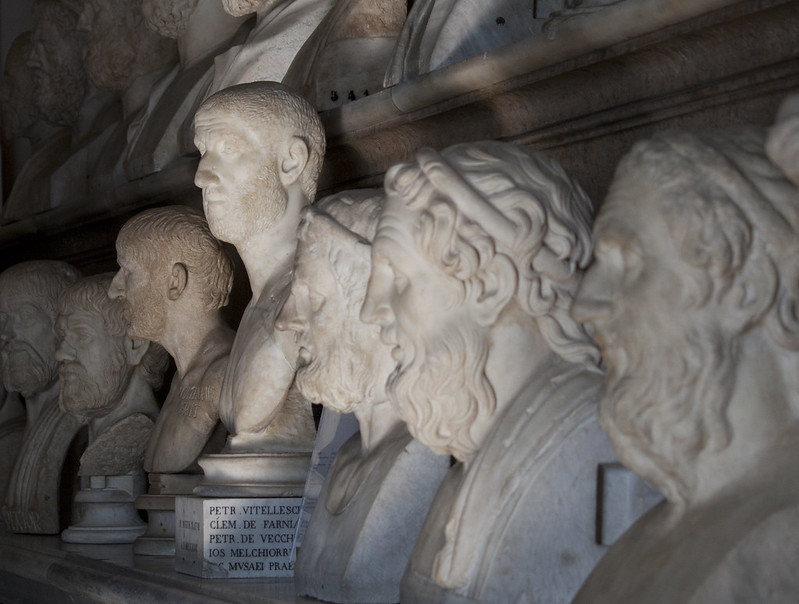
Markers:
{"x": 168, "y": 18}
{"x": 29, "y": 294}
{"x": 56, "y": 59}
{"x": 16, "y": 95}
{"x": 240, "y": 8}
{"x": 120, "y": 47}
{"x": 171, "y": 268}
{"x": 695, "y": 250}
{"x": 342, "y": 363}
{"x": 470, "y": 238}
{"x": 97, "y": 360}
{"x": 259, "y": 142}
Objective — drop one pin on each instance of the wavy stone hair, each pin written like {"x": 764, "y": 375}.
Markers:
{"x": 547, "y": 210}
{"x": 42, "y": 279}
{"x": 91, "y": 295}
{"x": 270, "y": 106}
{"x": 181, "y": 234}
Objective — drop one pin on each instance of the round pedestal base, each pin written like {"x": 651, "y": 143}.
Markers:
{"x": 253, "y": 474}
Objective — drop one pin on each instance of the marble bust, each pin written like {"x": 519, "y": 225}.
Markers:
{"x": 377, "y": 493}
{"x": 19, "y": 115}
{"x": 162, "y": 131}
{"x": 174, "y": 278}
{"x": 106, "y": 381}
{"x": 29, "y": 294}
{"x": 55, "y": 63}
{"x": 478, "y": 253}
{"x": 106, "y": 377}
{"x": 261, "y": 149}
{"x": 281, "y": 28}
{"x": 693, "y": 295}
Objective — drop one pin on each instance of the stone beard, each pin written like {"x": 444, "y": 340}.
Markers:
{"x": 439, "y": 412}
{"x": 25, "y": 370}
{"x": 240, "y": 8}
{"x": 85, "y": 395}
{"x": 665, "y": 394}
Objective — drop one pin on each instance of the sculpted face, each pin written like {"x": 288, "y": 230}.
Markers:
{"x": 169, "y": 18}
{"x": 242, "y": 195}
{"x": 56, "y": 61}
{"x": 666, "y": 370}
{"x": 27, "y": 344}
{"x": 142, "y": 290}
{"x": 16, "y": 94}
{"x": 342, "y": 364}
{"x": 92, "y": 365}
{"x": 439, "y": 383}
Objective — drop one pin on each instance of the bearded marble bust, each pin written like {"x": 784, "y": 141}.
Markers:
{"x": 693, "y": 293}
{"x": 375, "y": 498}
{"x": 174, "y": 278}
{"x": 478, "y": 253}
{"x": 29, "y": 294}
{"x": 106, "y": 378}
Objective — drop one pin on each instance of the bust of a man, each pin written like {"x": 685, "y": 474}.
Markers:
{"x": 281, "y": 28}
{"x": 693, "y": 294}
{"x": 29, "y": 294}
{"x": 123, "y": 55}
{"x": 477, "y": 256}
{"x": 174, "y": 278}
{"x": 375, "y": 498}
{"x": 262, "y": 147}
{"x": 107, "y": 377}
{"x": 55, "y": 64}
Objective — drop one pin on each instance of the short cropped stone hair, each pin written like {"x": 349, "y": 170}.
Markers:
{"x": 175, "y": 234}
{"x": 267, "y": 106}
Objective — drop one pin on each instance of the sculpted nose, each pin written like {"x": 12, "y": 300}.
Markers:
{"x": 594, "y": 299}
{"x": 205, "y": 174}
{"x": 117, "y": 287}
{"x": 376, "y": 307}
{"x": 64, "y": 352}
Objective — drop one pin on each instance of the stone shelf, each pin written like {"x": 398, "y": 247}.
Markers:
{"x": 36, "y": 569}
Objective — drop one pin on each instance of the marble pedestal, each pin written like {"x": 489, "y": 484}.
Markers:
{"x": 253, "y": 474}
{"x": 159, "y": 503}
{"x": 107, "y": 510}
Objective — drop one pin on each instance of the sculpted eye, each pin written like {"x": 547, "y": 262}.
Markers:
{"x": 400, "y": 282}
{"x": 317, "y": 301}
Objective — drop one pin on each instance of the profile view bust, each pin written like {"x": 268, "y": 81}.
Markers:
{"x": 377, "y": 493}
{"x": 107, "y": 377}
{"x": 281, "y": 28}
{"x": 261, "y": 149}
{"x": 174, "y": 278}
{"x": 107, "y": 381}
{"x": 478, "y": 253}
{"x": 29, "y": 294}
{"x": 693, "y": 294}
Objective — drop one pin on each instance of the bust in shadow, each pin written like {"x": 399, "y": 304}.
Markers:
{"x": 693, "y": 293}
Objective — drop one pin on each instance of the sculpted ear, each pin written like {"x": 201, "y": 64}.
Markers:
{"x": 293, "y": 159}
{"x": 498, "y": 286}
{"x": 135, "y": 350}
{"x": 177, "y": 280}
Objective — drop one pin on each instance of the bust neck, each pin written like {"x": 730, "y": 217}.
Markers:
{"x": 189, "y": 332}
{"x": 269, "y": 255}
